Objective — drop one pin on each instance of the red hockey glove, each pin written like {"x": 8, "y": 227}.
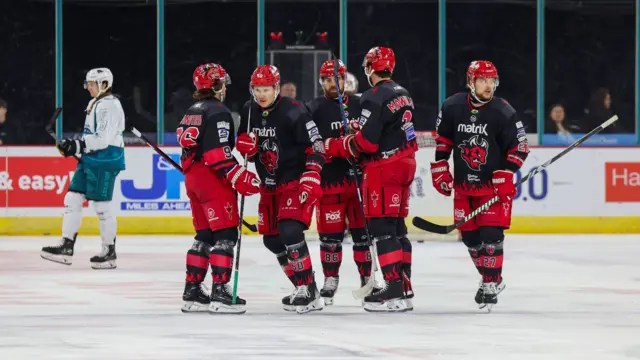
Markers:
{"x": 354, "y": 126}
{"x": 503, "y": 185}
{"x": 247, "y": 144}
{"x": 243, "y": 180}
{"x": 310, "y": 190}
{"x": 338, "y": 147}
{"x": 441, "y": 177}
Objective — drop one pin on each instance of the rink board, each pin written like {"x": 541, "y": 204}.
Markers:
{"x": 590, "y": 190}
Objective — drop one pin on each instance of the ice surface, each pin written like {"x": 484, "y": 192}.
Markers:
{"x": 567, "y": 297}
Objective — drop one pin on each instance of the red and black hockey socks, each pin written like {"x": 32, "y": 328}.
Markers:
{"x": 283, "y": 260}
{"x": 361, "y": 251}
{"x": 492, "y": 255}
{"x": 473, "y": 241}
{"x": 331, "y": 254}
{"x": 221, "y": 259}
{"x": 292, "y": 234}
{"x": 300, "y": 261}
{"x": 389, "y": 256}
{"x": 406, "y": 254}
{"x": 197, "y": 262}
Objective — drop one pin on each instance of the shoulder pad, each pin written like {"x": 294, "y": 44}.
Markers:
{"x": 455, "y": 99}
{"x": 503, "y": 105}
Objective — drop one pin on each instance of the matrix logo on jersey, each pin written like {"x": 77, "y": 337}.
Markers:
{"x": 269, "y": 154}
{"x": 473, "y": 128}
{"x": 162, "y": 194}
{"x": 474, "y": 152}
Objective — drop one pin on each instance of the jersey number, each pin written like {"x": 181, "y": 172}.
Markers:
{"x": 407, "y": 116}
{"x": 188, "y": 138}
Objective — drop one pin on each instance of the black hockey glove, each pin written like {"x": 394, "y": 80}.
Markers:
{"x": 69, "y": 147}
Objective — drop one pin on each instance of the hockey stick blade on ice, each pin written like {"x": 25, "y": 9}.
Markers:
{"x": 164, "y": 155}
{"x": 367, "y": 288}
{"x": 425, "y": 225}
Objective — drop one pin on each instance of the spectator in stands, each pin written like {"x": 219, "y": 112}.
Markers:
{"x": 556, "y": 122}
{"x": 289, "y": 89}
{"x": 599, "y": 111}
{"x": 10, "y": 131}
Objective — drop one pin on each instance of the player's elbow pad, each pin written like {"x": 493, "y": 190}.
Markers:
{"x": 220, "y": 160}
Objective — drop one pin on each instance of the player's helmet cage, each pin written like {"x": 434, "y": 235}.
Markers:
{"x": 351, "y": 83}
{"x": 206, "y": 76}
{"x": 265, "y": 75}
{"x": 380, "y": 59}
{"x": 99, "y": 75}
{"x": 481, "y": 69}
{"x": 327, "y": 70}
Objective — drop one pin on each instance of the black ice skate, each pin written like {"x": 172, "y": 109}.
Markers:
{"x": 221, "y": 301}
{"x": 286, "y": 303}
{"x": 307, "y": 298}
{"x": 490, "y": 291}
{"x": 389, "y": 298}
{"x": 329, "y": 289}
{"x": 106, "y": 259}
{"x": 195, "y": 297}
{"x": 62, "y": 253}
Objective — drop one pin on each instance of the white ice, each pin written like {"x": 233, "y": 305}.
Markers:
{"x": 567, "y": 297}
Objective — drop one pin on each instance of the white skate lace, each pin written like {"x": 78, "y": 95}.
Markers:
{"x": 300, "y": 292}
{"x": 489, "y": 288}
{"x": 330, "y": 283}
{"x": 382, "y": 289}
{"x": 104, "y": 252}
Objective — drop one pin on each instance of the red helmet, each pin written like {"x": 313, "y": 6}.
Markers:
{"x": 206, "y": 75}
{"x": 380, "y": 59}
{"x": 328, "y": 68}
{"x": 265, "y": 75}
{"x": 481, "y": 69}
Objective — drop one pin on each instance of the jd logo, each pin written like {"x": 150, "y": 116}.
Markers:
{"x": 165, "y": 180}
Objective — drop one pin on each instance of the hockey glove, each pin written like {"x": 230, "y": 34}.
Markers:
{"x": 354, "y": 126}
{"x": 243, "y": 180}
{"x": 503, "y": 185}
{"x": 69, "y": 147}
{"x": 310, "y": 190}
{"x": 339, "y": 147}
{"x": 441, "y": 177}
{"x": 247, "y": 144}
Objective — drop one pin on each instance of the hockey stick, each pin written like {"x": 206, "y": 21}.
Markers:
{"x": 368, "y": 287}
{"x": 159, "y": 151}
{"x": 236, "y": 266}
{"x": 49, "y": 129}
{"x": 423, "y": 224}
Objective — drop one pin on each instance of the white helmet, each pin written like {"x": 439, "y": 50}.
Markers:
{"x": 99, "y": 75}
{"x": 351, "y": 83}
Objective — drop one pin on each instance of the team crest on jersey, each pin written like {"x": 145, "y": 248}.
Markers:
{"x": 269, "y": 154}
{"x": 474, "y": 152}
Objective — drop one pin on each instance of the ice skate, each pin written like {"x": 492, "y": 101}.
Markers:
{"x": 286, "y": 303}
{"x": 390, "y": 298}
{"x": 307, "y": 298}
{"x": 62, "y": 253}
{"x": 329, "y": 289}
{"x": 221, "y": 301}
{"x": 407, "y": 291}
{"x": 106, "y": 259}
{"x": 195, "y": 297}
{"x": 490, "y": 292}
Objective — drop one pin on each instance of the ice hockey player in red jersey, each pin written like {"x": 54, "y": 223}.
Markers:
{"x": 286, "y": 146}
{"x": 489, "y": 145}
{"x": 212, "y": 177}
{"x": 339, "y": 202}
{"x": 385, "y": 146}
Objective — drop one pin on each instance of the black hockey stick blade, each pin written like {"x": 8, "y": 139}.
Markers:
{"x": 425, "y": 225}
{"x": 52, "y": 121}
